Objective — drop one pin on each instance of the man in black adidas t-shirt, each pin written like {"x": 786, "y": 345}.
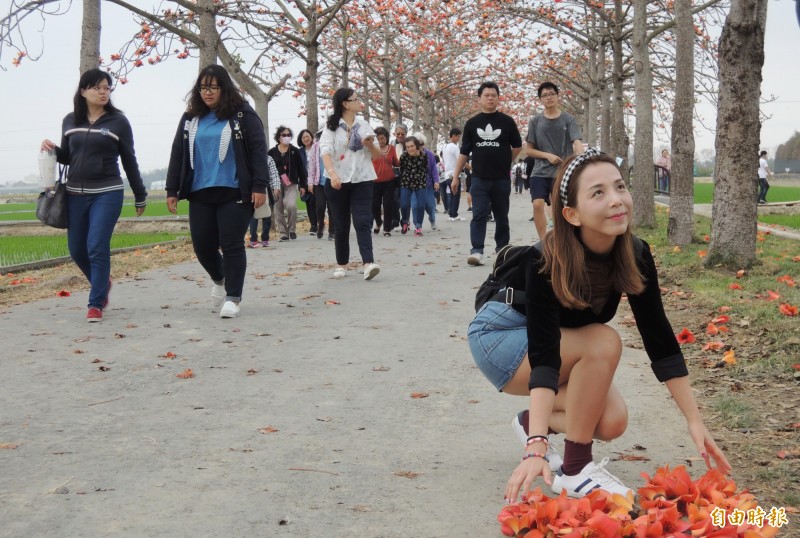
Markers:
{"x": 493, "y": 140}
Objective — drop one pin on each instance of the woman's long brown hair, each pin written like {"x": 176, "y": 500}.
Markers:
{"x": 564, "y": 253}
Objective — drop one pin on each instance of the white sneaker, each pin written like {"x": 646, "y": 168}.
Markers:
{"x": 229, "y": 310}
{"x": 553, "y": 457}
{"x": 475, "y": 259}
{"x": 339, "y": 272}
{"x": 371, "y": 270}
{"x": 218, "y": 294}
{"x": 591, "y": 477}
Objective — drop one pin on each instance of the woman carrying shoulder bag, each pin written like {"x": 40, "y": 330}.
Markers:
{"x": 95, "y": 136}
{"x": 293, "y": 175}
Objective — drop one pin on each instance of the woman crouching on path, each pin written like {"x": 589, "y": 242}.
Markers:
{"x": 562, "y": 354}
{"x": 219, "y": 163}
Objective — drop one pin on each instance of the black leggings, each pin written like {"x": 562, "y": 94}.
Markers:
{"x": 383, "y": 194}
{"x": 352, "y": 199}
{"x": 216, "y": 227}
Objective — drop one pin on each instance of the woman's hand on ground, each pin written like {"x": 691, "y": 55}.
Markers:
{"x": 258, "y": 199}
{"x": 140, "y": 210}
{"x": 172, "y": 204}
{"x": 523, "y": 476}
{"x": 708, "y": 448}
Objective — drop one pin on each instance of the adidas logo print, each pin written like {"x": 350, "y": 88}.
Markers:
{"x": 488, "y": 135}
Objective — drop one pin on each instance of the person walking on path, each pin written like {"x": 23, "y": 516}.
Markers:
{"x": 383, "y": 193}
{"x": 493, "y": 140}
{"x": 219, "y": 163}
{"x": 553, "y": 344}
{"x": 347, "y": 147}
{"x": 414, "y": 174}
{"x": 664, "y": 164}
{"x": 266, "y": 222}
{"x": 305, "y": 141}
{"x": 317, "y": 178}
{"x": 552, "y": 135}
{"x": 450, "y": 154}
{"x": 763, "y": 173}
{"x": 292, "y": 173}
{"x": 431, "y": 189}
{"x": 95, "y": 136}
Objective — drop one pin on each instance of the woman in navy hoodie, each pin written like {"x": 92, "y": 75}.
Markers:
{"x": 94, "y": 137}
{"x": 219, "y": 163}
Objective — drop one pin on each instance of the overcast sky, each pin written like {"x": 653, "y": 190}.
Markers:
{"x": 37, "y": 95}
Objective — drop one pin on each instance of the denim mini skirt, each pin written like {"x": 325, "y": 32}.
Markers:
{"x": 498, "y": 340}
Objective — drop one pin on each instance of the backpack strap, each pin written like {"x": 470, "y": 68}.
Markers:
{"x": 509, "y": 295}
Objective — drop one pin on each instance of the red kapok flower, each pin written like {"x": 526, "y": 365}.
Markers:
{"x": 685, "y": 336}
{"x": 788, "y": 310}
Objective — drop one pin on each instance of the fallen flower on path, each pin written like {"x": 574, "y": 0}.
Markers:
{"x": 772, "y": 296}
{"x": 725, "y": 308}
{"x": 685, "y": 336}
{"x": 788, "y": 310}
{"x": 186, "y": 374}
{"x": 702, "y": 253}
{"x": 268, "y": 429}
{"x": 729, "y": 357}
{"x": 721, "y": 319}
{"x": 711, "y": 329}
{"x": 789, "y": 281}
{"x": 169, "y": 355}
{"x": 417, "y": 395}
{"x": 713, "y": 346}
{"x": 63, "y": 293}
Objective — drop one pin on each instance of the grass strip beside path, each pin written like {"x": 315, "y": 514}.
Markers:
{"x": 15, "y": 250}
{"x": 745, "y": 366}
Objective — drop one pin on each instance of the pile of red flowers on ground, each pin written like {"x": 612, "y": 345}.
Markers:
{"x": 670, "y": 504}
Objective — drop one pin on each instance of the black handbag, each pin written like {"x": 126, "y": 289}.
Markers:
{"x": 51, "y": 207}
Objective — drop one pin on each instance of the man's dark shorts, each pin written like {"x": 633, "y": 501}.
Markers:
{"x": 541, "y": 187}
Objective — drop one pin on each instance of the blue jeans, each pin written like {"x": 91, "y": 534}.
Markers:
{"x": 763, "y": 187}
{"x": 489, "y": 195}
{"x": 409, "y": 197}
{"x": 216, "y": 227}
{"x": 451, "y": 200}
{"x": 91, "y": 221}
{"x": 266, "y": 225}
{"x": 352, "y": 200}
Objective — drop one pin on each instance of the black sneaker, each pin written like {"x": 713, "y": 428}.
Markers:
{"x": 283, "y": 238}
{"x": 292, "y": 235}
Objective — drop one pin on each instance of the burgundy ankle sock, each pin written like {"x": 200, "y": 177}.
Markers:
{"x": 576, "y": 456}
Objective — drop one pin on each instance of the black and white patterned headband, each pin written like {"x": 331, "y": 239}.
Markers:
{"x": 576, "y": 162}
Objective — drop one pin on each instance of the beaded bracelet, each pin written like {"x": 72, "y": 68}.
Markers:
{"x": 535, "y": 455}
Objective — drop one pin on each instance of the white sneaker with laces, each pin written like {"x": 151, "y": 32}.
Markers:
{"x": 218, "y": 294}
{"x": 339, "y": 272}
{"x": 591, "y": 477}
{"x": 371, "y": 270}
{"x": 553, "y": 457}
{"x": 475, "y": 259}
{"x": 229, "y": 310}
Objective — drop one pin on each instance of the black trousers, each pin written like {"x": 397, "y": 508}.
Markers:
{"x": 383, "y": 195}
{"x": 352, "y": 200}
{"x": 221, "y": 227}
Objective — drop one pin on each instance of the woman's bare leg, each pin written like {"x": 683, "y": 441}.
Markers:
{"x": 589, "y": 358}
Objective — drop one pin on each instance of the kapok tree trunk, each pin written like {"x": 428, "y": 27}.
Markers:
{"x": 734, "y": 212}
{"x": 90, "y": 35}
{"x": 681, "y": 204}
{"x": 642, "y": 179}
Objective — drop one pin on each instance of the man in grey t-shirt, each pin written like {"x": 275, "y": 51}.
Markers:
{"x": 552, "y": 136}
